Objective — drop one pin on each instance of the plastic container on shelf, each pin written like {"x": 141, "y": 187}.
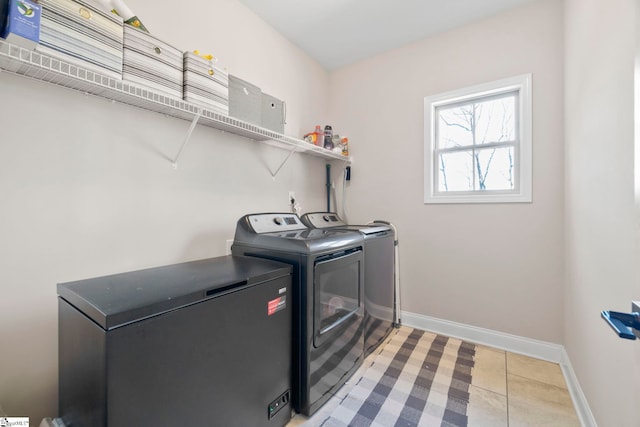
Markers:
{"x": 315, "y": 137}
{"x": 344, "y": 144}
{"x": 328, "y": 137}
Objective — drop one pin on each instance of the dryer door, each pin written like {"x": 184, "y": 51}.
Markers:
{"x": 337, "y": 293}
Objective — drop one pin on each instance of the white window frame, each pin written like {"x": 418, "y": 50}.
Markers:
{"x": 523, "y": 191}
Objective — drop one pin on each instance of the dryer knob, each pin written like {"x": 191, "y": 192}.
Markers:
{"x": 277, "y": 220}
{"x": 326, "y": 218}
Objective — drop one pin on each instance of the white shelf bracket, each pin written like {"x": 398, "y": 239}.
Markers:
{"x": 273, "y": 174}
{"x": 187, "y": 137}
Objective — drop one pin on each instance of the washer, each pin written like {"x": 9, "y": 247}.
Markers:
{"x": 379, "y": 275}
{"x": 328, "y": 299}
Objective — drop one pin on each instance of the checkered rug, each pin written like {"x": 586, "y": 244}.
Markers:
{"x": 416, "y": 379}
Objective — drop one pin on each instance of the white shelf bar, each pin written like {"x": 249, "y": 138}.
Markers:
{"x": 39, "y": 66}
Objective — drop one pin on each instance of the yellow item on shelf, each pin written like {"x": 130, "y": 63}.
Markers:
{"x": 208, "y": 57}
{"x": 119, "y": 7}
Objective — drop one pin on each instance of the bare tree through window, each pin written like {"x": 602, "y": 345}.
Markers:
{"x": 476, "y": 144}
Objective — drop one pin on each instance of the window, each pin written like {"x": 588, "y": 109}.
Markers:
{"x": 478, "y": 144}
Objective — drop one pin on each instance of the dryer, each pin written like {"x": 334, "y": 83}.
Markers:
{"x": 379, "y": 273}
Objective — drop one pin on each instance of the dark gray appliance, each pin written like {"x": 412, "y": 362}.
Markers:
{"x": 379, "y": 277}
{"x": 328, "y": 308}
{"x": 200, "y": 343}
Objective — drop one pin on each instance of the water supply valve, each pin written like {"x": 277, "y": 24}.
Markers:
{"x": 626, "y": 325}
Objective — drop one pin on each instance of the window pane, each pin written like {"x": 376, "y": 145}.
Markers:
{"x": 478, "y": 143}
{"x": 454, "y": 126}
{"x": 456, "y": 171}
{"x": 495, "y": 120}
{"x": 495, "y": 169}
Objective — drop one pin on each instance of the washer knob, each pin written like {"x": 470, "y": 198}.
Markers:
{"x": 277, "y": 220}
{"x": 326, "y": 218}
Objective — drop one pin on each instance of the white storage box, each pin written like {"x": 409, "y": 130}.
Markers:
{"x": 151, "y": 62}
{"x": 245, "y": 101}
{"x": 205, "y": 84}
{"x": 273, "y": 113}
{"x": 81, "y": 34}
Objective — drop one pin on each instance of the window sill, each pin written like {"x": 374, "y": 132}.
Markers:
{"x": 475, "y": 198}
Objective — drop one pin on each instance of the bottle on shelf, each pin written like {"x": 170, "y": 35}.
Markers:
{"x": 319, "y": 134}
{"x": 328, "y": 137}
{"x": 315, "y": 137}
{"x": 344, "y": 143}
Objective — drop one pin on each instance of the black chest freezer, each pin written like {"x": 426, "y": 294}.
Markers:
{"x": 202, "y": 343}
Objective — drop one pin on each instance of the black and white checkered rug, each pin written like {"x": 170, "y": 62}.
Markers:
{"x": 416, "y": 379}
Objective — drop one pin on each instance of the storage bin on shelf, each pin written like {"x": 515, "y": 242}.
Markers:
{"x": 82, "y": 34}
{"x": 152, "y": 62}
{"x": 205, "y": 83}
{"x": 273, "y": 114}
{"x": 245, "y": 100}
{"x": 20, "y": 22}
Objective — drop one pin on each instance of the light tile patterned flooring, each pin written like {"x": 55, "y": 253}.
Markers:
{"x": 507, "y": 390}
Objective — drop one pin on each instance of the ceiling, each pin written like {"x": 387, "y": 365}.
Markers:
{"x": 339, "y": 32}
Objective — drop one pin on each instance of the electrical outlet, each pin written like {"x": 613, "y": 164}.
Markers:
{"x": 292, "y": 196}
{"x": 228, "y": 248}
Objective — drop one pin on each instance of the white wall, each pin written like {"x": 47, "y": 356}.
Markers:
{"x": 496, "y": 266}
{"x": 86, "y": 187}
{"x": 601, "y": 227}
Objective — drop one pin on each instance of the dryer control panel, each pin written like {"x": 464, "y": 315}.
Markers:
{"x": 324, "y": 220}
{"x": 274, "y": 222}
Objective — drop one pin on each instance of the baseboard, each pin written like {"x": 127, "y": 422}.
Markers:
{"x": 516, "y": 344}
{"x": 513, "y": 343}
{"x": 579, "y": 399}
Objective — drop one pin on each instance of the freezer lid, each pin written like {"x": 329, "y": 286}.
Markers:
{"x": 119, "y": 299}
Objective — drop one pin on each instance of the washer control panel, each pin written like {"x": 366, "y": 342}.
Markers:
{"x": 274, "y": 222}
{"x": 324, "y": 220}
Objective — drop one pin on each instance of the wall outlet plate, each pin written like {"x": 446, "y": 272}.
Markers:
{"x": 292, "y": 196}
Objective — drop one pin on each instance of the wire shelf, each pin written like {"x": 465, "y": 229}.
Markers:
{"x": 40, "y": 66}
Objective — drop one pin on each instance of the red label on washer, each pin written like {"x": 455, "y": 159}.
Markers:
{"x": 275, "y": 305}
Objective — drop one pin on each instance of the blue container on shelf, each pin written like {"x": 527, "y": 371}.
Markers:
{"x": 20, "y": 22}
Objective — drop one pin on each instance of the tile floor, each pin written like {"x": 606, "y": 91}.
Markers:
{"x": 511, "y": 390}
{"x": 507, "y": 390}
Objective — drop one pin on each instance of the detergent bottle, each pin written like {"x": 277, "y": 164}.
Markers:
{"x": 319, "y": 135}
{"x": 315, "y": 137}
